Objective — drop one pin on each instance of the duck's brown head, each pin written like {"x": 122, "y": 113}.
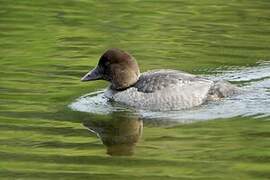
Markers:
{"x": 117, "y": 67}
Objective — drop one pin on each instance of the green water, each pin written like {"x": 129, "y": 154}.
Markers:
{"x": 46, "y": 47}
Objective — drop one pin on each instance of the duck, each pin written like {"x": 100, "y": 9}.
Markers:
{"x": 155, "y": 90}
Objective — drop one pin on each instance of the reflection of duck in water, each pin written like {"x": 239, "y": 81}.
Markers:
{"x": 119, "y": 134}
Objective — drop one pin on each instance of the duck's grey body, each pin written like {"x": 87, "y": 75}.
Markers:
{"x": 163, "y": 90}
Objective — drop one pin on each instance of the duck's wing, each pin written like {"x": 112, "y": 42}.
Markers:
{"x": 153, "y": 81}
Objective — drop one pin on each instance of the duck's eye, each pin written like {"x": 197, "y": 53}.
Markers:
{"x": 107, "y": 63}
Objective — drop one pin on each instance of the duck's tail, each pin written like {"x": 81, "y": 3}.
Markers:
{"x": 222, "y": 89}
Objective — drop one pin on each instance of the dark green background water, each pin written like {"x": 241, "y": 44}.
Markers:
{"x": 45, "y": 48}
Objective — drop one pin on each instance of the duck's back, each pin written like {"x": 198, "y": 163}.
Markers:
{"x": 164, "y": 90}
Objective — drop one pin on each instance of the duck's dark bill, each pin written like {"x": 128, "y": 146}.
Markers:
{"x": 92, "y": 75}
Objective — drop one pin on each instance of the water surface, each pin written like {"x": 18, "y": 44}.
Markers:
{"x": 46, "y": 47}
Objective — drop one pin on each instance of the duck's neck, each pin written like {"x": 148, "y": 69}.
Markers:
{"x": 121, "y": 88}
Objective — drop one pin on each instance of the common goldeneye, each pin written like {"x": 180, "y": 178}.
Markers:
{"x": 157, "y": 90}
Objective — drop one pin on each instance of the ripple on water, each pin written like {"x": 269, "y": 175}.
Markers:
{"x": 254, "y": 101}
